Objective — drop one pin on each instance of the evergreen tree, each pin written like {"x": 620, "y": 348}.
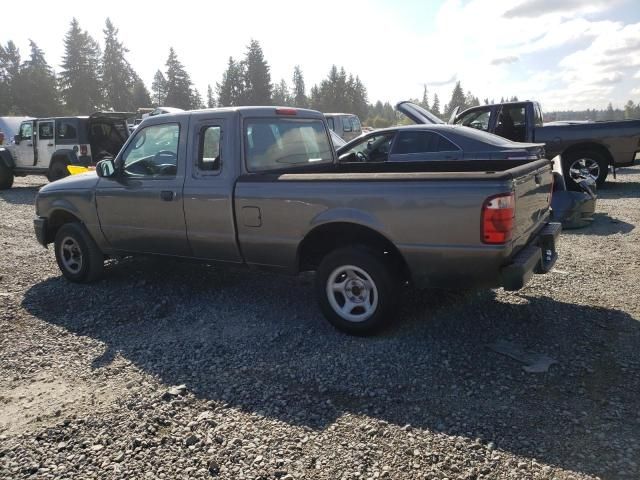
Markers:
{"x": 80, "y": 85}
{"x": 435, "y": 106}
{"x": 9, "y": 76}
{"x": 118, "y": 78}
{"x": 257, "y": 77}
{"x": 281, "y": 95}
{"x": 196, "y": 100}
{"x": 231, "y": 89}
{"x": 299, "y": 93}
{"x": 457, "y": 100}
{"x": 425, "y": 98}
{"x": 159, "y": 89}
{"x": 178, "y": 84}
{"x": 211, "y": 100}
{"x": 140, "y": 96}
{"x": 36, "y": 93}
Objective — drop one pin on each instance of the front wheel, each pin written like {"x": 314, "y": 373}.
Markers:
{"x": 79, "y": 258}
{"x": 356, "y": 290}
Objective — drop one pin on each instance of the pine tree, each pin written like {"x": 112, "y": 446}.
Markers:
{"x": 231, "y": 89}
{"x": 36, "y": 93}
{"x": 80, "y": 85}
{"x": 117, "y": 75}
{"x": 159, "y": 89}
{"x": 196, "y": 100}
{"x": 178, "y": 84}
{"x": 140, "y": 96}
{"x": 257, "y": 78}
{"x": 425, "y": 98}
{"x": 300, "y": 99}
{"x": 9, "y": 77}
{"x": 457, "y": 100}
{"x": 281, "y": 95}
{"x": 435, "y": 106}
{"x": 211, "y": 100}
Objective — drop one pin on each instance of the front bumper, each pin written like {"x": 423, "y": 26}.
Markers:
{"x": 40, "y": 226}
{"x": 539, "y": 256}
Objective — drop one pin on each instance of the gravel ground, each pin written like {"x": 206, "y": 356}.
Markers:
{"x": 174, "y": 370}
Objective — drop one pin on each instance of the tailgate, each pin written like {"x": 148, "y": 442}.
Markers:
{"x": 533, "y": 185}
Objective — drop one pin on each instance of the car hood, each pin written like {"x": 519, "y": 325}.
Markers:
{"x": 418, "y": 114}
{"x": 83, "y": 181}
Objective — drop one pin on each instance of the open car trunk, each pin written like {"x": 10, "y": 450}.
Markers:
{"x": 108, "y": 131}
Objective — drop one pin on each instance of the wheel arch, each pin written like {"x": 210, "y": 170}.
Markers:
{"x": 56, "y": 219}
{"x": 6, "y": 158}
{"x": 588, "y": 147}
{"x": 327, "y": 237}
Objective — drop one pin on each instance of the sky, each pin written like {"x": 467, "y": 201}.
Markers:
{"x": 567, "y": 54}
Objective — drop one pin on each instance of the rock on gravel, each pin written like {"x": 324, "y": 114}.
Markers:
{"x": 173, "y": 370}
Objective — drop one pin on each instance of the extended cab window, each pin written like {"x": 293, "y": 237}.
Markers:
{"x": 209, "y": 151}
{"x": 374, "y": 148}
{"x": 45, "y": 131}
{"x": 278, "y": 143}
{"x": 153, "y": 151}
{"x": 355, "y": 124}
{"x": 346, "y": 124}
{"x": 331, "y": 123}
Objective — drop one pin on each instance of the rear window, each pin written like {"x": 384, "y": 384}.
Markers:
{"x": 278, "y": 143}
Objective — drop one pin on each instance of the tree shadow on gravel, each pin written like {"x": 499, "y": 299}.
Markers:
{"x": 257, "y": 342}
{"x": 20, "y": 195}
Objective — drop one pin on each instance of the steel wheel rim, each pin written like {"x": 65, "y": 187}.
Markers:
{"x": 71, "y": 255}
{"x": 352, "y": 293}
{"x": 584, "y": 168}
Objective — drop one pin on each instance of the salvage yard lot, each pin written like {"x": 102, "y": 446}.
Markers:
{"x": 272, "y": 391}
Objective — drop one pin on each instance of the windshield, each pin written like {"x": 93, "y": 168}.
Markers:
{"x": 277, "y": 143}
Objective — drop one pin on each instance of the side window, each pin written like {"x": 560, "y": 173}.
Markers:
{"x": 45, "y": 131}
{"x": 346, "y": 124}
{"x": 26, "y": 131}
{"x": 445, "y": 145}
{"x": 416, "y": 142}
{"x": 374, "y": 148}
{"x": 331, "y": 124}
{"x": 66, "y": 130}
{"x": 512, "y": 123}
{"x": 153, "y": 152}
{"x": 355, "y": 124}
{"x": 209, "y": 150}
{"x": 478, "y": 119}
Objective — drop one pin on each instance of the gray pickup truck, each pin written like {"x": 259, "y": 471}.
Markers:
{"x": 261, "y": 186}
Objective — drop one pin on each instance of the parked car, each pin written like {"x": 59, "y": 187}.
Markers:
{"x": 587, "y": 149}
{"x": 346, "y": 125}
{"x": 270, "y": 193}
{"x": 46, "y": 146}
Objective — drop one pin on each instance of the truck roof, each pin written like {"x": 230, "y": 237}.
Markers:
{"x": 249, "y": 111}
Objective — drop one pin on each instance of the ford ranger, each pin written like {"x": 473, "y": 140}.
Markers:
{"x": 261, "y": 186}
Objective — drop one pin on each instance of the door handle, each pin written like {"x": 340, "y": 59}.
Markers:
{"x": 49, "y": 144}
{"x": 167, "y": 195}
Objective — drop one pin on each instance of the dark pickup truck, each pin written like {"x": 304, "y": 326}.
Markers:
{"x": 587, "y": 149}
{"x": 261, "y": 186}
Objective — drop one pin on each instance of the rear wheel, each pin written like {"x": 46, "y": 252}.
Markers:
{"x": 585, "y": 165}
{"x": 58, "y": 170}
{"x": 356, "y": 289}
{"x": 6, "y": 177}
{"x": 79, "y": 258}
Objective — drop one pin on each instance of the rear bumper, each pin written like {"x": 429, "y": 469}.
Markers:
{"x": 40, "y": 227}
{"x": 539, "y": 256}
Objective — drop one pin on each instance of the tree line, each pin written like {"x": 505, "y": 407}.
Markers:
{"x": 91, "y": 78}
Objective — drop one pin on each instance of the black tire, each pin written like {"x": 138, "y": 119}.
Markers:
{"x": 6, "y": 177}
{"x": 589, "y": 158}
{"x": 379, "y": 300}
{"x": 58, "y": 170}
{"x": 73, "y": 239}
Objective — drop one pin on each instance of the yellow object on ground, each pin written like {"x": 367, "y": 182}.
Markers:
{"x": 76, "y": 169}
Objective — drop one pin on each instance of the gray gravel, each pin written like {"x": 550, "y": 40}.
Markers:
{"x": 174, "y": 370}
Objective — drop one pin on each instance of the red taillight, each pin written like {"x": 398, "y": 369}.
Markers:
{"x": 83, "y": 150}
{"x": 498, "y": 213}
{"x": 286, "y": 111}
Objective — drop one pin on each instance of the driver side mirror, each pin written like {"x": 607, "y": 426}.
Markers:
{"x": 16, "y": 139}
{"x": 106, "y": 168}
{"x": 348, "y": 157}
